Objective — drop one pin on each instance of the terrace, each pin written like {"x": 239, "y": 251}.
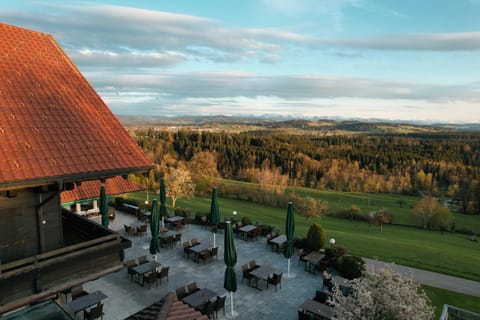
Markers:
{"x": 125, "y": 297}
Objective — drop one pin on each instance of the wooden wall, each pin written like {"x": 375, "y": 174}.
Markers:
{"x": 19, "y": 236}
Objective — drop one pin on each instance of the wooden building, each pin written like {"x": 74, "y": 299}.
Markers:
{"x": 55, "y": 132}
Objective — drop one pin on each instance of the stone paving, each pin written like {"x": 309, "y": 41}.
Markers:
{"x": 126, "y": 297}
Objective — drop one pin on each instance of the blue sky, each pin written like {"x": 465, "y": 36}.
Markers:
{"x": 395, "y": 60}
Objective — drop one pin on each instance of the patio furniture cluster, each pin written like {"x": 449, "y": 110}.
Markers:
{"x": 89, "y": 303}
{"x": 176, "y": 222}
{"x": 255, "y": 272}
{"x": 169, "y": 238}
{"x": 202, "y": 299}
{"x": 248, "y": 232}
{"x": 135, "y": 229}
{"x": 200, "y": 251}
{"x": 143, "y": 271}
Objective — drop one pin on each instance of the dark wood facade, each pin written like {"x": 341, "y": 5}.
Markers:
{"x": 45, "y": 250}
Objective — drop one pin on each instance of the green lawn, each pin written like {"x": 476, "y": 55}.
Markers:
{"x": 439, "y": 297}
{"x": 371, "y": 202}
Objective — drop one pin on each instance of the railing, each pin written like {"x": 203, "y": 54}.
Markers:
{"x": 453, "y": 313}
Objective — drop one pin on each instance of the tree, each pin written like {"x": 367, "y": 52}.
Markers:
{"x": 382, "y": 294}
{"x": 179, "y": 184}
{"x": 309, "y": 207}
{"x": 316, "y": 237}
{"x": 380, "y": 218}
{"x": 432, "y": 213}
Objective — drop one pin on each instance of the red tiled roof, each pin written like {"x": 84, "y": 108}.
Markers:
{"x": 52, "y": 122}
{"x": 91, "y": 189}
{"x": 168, "y": 308}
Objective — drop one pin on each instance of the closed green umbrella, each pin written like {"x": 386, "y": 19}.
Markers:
{"x": 154, "y": 243}
{"x": 103, "y": 206}
{"x": 214, "y": 209}
{"x": 289, "y": 232}
{"x": 230, "y": 258}
{"x": 163, "y": 206}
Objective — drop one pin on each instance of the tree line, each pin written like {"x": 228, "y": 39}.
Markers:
{"x": 434, "y": 164}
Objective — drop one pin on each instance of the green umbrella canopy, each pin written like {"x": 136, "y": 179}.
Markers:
{"x": 214, "y": 209}
{"x": 103, "y": 206}
{"x": 163, "y": 207}
{"x": 154, "y": 243}
{"x": 230, "y": 258}
{"x": 289, "y": 230}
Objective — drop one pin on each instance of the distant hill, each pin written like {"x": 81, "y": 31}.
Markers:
{"x": 321, "y": 126}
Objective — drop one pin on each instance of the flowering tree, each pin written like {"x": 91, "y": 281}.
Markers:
{"x": 382, "y": 294}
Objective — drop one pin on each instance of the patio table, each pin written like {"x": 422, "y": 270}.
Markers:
{"x": 166, "y": 234}
{"x": 245, "y": 230}
{"x": 199, "y": 297}
{"x": 317, "y": 309}
{"x": 198, "y": 249}
{"x": 261, "y": 273}
{"x": 143, "y": 268}
{"x": 278, "y": 241}
{"x": 174, "y": 221}
{"x": 86, "y": 301}
{"x": 313, "y": 258}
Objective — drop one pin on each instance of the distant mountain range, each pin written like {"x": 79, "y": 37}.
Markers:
{"x": 279, "y": 122}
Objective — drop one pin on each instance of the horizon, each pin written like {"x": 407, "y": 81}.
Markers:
{"x": 348, "y": 59}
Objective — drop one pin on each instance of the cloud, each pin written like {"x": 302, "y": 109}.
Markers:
{"x": 228, "y": 84}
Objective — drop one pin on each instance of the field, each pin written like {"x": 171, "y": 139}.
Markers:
{"x": 439, "y": 297}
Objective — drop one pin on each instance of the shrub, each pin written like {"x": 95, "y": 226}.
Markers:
{"x": 335, "y": 252}
{"x": 182, "y": 212}
{"x": 316, "y": 237}
{"x": 350, "y": 267}
{"x": 382, "y": 294}
{"x": 265, "y": 229}
{"x": 352, "y": 213}
{"x": 246, "y": 220}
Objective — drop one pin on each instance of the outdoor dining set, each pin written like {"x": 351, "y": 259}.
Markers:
{"x": 204, "y": 300}
{"x": 144, "y": 271}
{"x": 256, "y": 273}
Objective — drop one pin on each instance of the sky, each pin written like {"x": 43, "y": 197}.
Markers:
{"x": 411, "y": 60}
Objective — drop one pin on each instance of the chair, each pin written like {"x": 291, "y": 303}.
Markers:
{"x": 208, "y": 309}
{"x": 186, "y": 248}
{"x": 150, "y": 278}
{"x": 169, "y": 242}
{"x": 192, "y": 287}
{"x": 253, "y": 265}
{"x": 177, "y": 238}
{"x": 78, "y": 292}
{"x": 162, "y": 229}
{"x": 194, "y": 242}
{"x": 215, "y": 252}
{"x": 275, "y": 280}
{"x": 130, "y": 264}
{"x": 128, "y": 230}
{"x": 94, "y": 313}
{"x": 142, "y": 229}
{"x": 246, "y": 273}
{"x": 320, "y": 296}
{"x": 163, "y": 273}
{"x": 302, "y": 315}
{"x": 181, "y": 293}
{"x": 301, "y": 256}
{"x": 220, "y": 304}
{"x": 204, "y": 222}
{"x": 142, "y": 259}
{"x": 205, "y": 255}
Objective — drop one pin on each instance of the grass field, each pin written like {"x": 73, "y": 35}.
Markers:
{"x": 439, "y": 297}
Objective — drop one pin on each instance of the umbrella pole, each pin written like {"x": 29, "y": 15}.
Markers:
{"x": 231, "y": 302}
{"x": 163, "y": 222}
{"x": 288, "y": 270}
{"x": 214, "y": 239}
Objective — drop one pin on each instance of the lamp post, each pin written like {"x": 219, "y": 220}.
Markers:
{"x": 332, "y": 242}
{"x": 234, "y": 215}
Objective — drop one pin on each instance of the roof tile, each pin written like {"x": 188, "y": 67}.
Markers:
{"x": 44, "y": 100}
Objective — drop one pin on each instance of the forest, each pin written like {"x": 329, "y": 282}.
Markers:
{"x": 441, "y": 164}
